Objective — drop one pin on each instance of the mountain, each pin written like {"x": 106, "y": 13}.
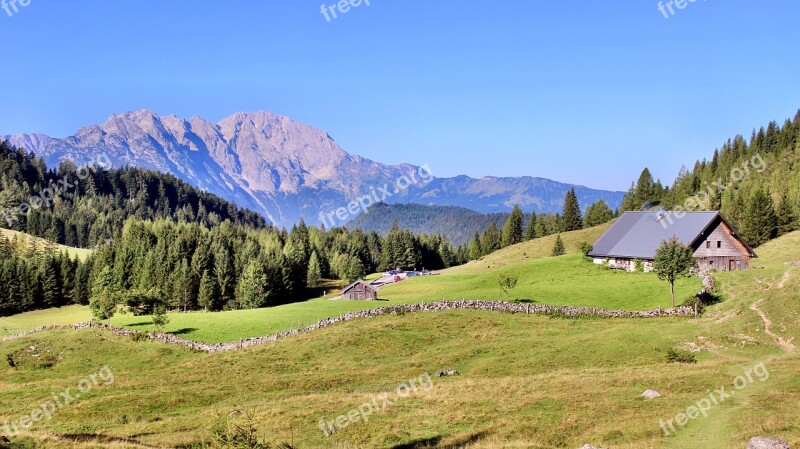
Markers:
{"x": 287, "y": 170}
{"x": 458, "y": 224}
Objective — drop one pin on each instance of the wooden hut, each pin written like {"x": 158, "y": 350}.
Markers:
{"x": 360, "y": 290}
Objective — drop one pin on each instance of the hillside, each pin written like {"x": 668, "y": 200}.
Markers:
{"x": 569, "y": 382}
{"x": 458, "y": 224}
{"x": 39, "y": 244}
{"x": 286, "y": 170}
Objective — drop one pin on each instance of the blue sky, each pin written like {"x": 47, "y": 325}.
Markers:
{"x": 580, "y": 91}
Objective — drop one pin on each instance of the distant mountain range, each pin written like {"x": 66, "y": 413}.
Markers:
{"x": 286, "y": 170}
{"x": 458, "y": 224}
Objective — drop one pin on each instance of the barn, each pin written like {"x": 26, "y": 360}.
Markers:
{"x": 637, "y": 235}
{"x": 360, "y": 290}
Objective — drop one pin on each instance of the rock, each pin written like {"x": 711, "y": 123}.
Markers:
{"x": 651, "y": 394}
{"x": 4, "y": 439}
{"x": 587, "y": 446}
{"x": 447, "y": 373}
{"x": 766, "y": 443}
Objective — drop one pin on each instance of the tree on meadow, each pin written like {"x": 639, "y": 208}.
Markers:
{"x": 475, "y": 250}
{"x": 558, "y": 247}
{"x": 491, "y": 241}
{"x": 785, "y": 216}
{"x": 103, "y": 302}
{"x": 512, "y": 230}
{"x": 571, "y": 219}
{"x": 206, "y": 298}
{"x": 673, "y": 260}
{"x": 253, "y": 290}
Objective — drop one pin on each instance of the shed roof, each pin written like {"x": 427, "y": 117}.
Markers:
{"x": 638, "y": 234}
{"x": 360, "y": 281}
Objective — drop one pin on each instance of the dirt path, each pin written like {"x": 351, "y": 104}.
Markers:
{"x": 785, "y": 345}
{"x": 786, "y": 276}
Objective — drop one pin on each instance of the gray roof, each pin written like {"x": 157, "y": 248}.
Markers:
{"x": 360, "y": 281}
{"x": 638, "y": 234}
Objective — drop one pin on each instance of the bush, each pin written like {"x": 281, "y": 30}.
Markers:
{"x": 585, "y": 248}
{"x": 639, "y": 265}
{"x": 675, "y": 355}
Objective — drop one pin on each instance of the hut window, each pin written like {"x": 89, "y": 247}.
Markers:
{"x": 719, "y": 244}
{"x": 708, "y": 244}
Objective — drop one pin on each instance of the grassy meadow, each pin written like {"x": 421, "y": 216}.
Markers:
{"x": 525, "y": 381}
{"x": 39, "y": 244}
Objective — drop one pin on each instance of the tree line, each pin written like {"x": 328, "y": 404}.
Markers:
{"x": 754, "y": 182}
{"x": 518, "y": 229}
{"x": 93, "y": 207}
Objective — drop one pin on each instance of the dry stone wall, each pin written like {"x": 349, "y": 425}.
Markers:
{"x": 493, "y": 306}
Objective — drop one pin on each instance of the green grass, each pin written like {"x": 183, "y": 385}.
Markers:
{"x": 526, "y": 381}
{"x": 542, "y": 279}
{"x": 31, "y": 320}
{"x": 40, "y": 244}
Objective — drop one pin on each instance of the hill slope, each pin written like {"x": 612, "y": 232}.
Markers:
{"x": 565, "y": 382}
{"x": 458, "y": 224}
{"x": 285, "y": 169}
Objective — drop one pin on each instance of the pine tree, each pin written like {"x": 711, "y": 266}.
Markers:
{"x": 530, "y": 230}
{"x": 490, "y": 242}
{"x": 786, "y": 216}
{"x": 103, "y": 302}
{"x": 253, "y": 289}
{"x": 760, "y": 222}
{"x": 512, "y": 230}
{"x": 597, "y": 214}
{"x": 314, "y": 276}
{"x": 206, "y": 298}
{"x": 645, "y": 190}
{"x": 184, "y": 289}
{"x": 571, "y": 219}
{"x": 558, "y": 248}
{"x": 475, "y": 251}
{"x": 51, "y": 290}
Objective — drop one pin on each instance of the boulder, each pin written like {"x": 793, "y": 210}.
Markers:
{"x": 766, "y": 443}
{"x": 588, "y": 446}
{"x": 651, "y": 394}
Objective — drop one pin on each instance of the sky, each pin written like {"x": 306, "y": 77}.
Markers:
{"x": 585, "y": 92}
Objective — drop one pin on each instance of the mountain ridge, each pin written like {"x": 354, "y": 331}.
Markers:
{"x": 283, "y": 169}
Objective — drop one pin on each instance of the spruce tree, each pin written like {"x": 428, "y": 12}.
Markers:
{"x": 512, "y": 230}
{"x": 760, "y": 222}
{"x": 490, "y": 242}
{"x": 314, "y": 276}
{"x": 558, "y": 248}
{"x": 475, "y": 251}
{"x": 206, "y": 298}
{"x": 786, "y": 216}
{"x": 530, "y": 230}
{"x": 571, "y": 218}
{"x": 597, "y": 214}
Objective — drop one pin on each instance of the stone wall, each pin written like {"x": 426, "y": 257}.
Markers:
{"x": 493, "y": 306}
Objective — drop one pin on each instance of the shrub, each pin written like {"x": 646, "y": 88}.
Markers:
{"x": 585, "y": 248}
{"x": 675, "y": 355}
{"x": 639, "y": 265}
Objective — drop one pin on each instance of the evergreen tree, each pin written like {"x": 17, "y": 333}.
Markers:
{"x": 760, "y": 222}
{"x": 490, "y": 242}
{"x": 253, "y": 289}
{"x": 597, "y": 214}
{"x": 645, "y": 190}
{"x": 51, "y": 290}
{"x": 475, "y": 250}
{"x": 530, "y": 230}
{"x": 558, "y": 248}
{"x": 206, "y": 298}
{"x": 184, "y": 288}
{"x": 512, "y": 230}
{"x": 786, "y": 216}
{"x": 314, "y": 271}
{"x": 571, "y": 218}
{"x": 103, "y": 302}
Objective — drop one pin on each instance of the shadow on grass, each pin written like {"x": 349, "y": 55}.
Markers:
{"x": 435, "y": 442}
{"x": 184, "y": 331}
{"x": 140, "y": 323}
{"x": 525, "y": 301}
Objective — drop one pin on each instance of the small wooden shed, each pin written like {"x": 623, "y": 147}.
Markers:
{"x": 360, "y": 290}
